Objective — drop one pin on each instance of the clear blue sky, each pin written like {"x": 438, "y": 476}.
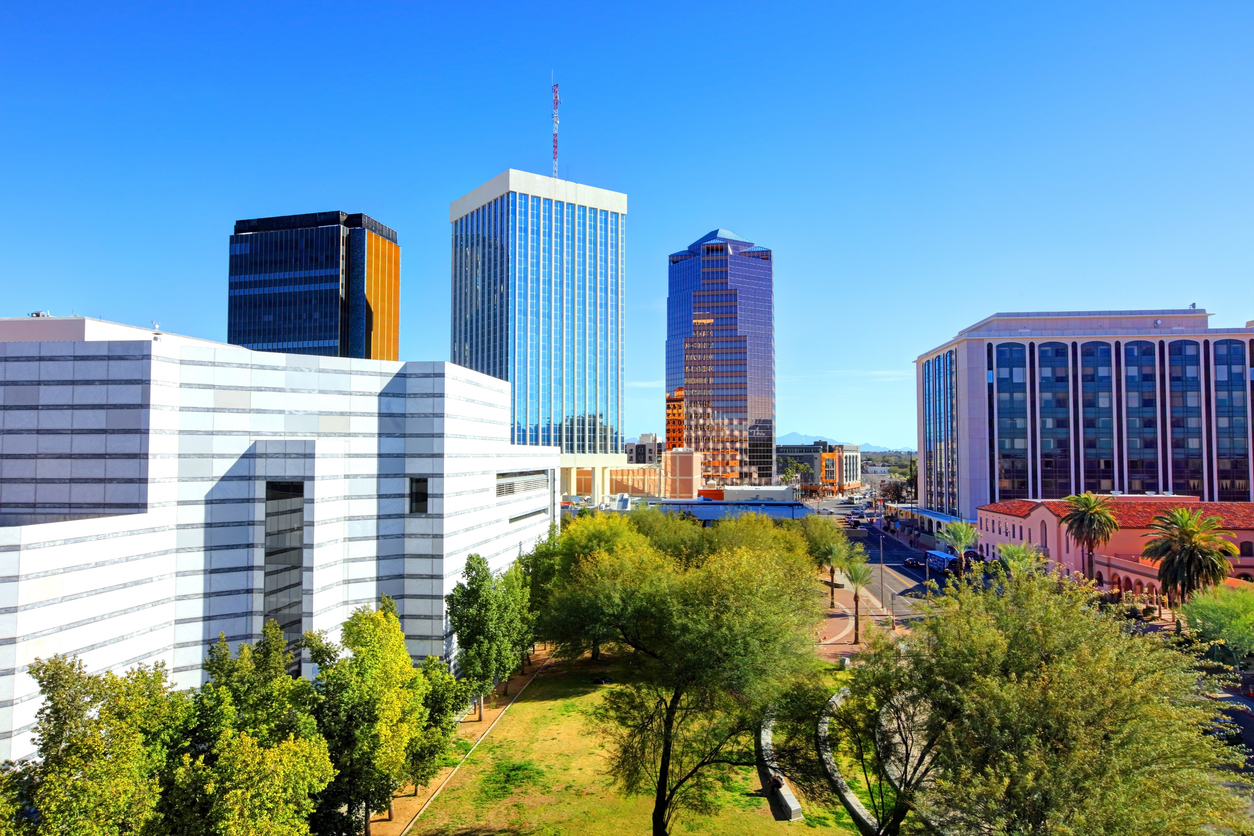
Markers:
{"x": 915, "y": 167}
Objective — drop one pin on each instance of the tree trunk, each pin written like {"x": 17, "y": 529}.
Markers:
{"x": 366, "y": 808}
{"x": 661, "y": 796}
{"x": 391, "y": 804}
{"x": 855, "y": 617}
{"x": 481, "y": 708}
{"x": 596, "y": 650}
{"x": 505, "y": 686}
{"x": 831, "y": 574}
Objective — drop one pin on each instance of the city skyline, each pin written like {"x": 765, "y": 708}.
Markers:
{"x": 1066, "y": 152}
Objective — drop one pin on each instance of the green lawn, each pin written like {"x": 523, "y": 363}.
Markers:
{"x": 539, "y": 772}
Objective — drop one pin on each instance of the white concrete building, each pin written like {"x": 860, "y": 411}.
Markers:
{"x": 157, "y": 490}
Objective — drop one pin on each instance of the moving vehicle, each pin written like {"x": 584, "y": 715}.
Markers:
{"x": 942, "y": 562}
{"x": 914, "y": 562}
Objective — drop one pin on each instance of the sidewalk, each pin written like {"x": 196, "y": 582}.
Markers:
{"x": 835, "y": 633}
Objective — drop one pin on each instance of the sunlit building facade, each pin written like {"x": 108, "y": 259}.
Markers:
{"x": 720, "y": 349}
{"x": 325, "y": 283}
{"x": 538, "y": 280}
{"x": 1043, "y": 405}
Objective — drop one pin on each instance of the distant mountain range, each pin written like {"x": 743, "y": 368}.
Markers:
{"x": 798, "y": 438}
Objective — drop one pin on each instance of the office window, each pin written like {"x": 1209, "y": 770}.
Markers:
{"x": 418, "y": 495}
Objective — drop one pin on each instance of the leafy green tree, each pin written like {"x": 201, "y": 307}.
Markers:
{"x": 859, "y": 576}
{"x": 790, "y": 469}
{"x": 676, "y": 534}
{"x": 1026, "y": 711}
{"x": 250, "y": 788}
{"x": 1225, "y": 615}
{"x": 100, "y": 740}
{"x": 827, "y": 546}
{"x": 959, "y": 536}
{"x": 701, "y": 649}
{"x": 1089, "y": 523}
{"x": 519, "y": 620}
{"x": 252, "y": 718}
{"x": 586, "y": 536}
{"x": 369, "y": 707}
{"x": 480, "y": 617}
{"x": 446, "y": 698}
{"x": 893, "y": 491}
{"x": 1191, "y": 551}
{"x": 1018, "y": 558}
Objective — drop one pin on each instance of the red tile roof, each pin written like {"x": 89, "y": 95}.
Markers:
{"x": 1013, "y": 507}
{"x": 1134, "y": 512}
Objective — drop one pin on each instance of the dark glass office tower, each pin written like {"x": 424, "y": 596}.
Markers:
{"x": 720, "y": 347}
{"x": 325, "y": 283}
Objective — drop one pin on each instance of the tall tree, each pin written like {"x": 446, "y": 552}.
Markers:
{"x": 1225, "y": 615}
{"x": 859, "y": 576}
{"x": 445, "y": 700}
{"x": 703, "y": 650}
{"x": 827, "y": 546}
{"x": 959, "y": 536}
{"x": 1089, "y": 523}
{"x": 369, "y": 706}
{"x": 479, "y": 616}
{"x": 1191, "y": 551}
{"x": 101, "y": 740}
{"x": 1029, "y": 712}
{"x": 251, "y": 720}
{"x": 519, "y": 620}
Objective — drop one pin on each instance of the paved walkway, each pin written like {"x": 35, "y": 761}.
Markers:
{"x": 835, "y": 633}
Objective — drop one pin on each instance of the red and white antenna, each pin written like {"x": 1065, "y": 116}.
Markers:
{"x": 556, "y": 102}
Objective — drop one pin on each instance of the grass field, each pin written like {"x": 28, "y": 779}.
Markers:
{"x": 540, "y": 772}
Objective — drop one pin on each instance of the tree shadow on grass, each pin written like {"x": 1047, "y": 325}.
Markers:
{"x": 569, "y": 679}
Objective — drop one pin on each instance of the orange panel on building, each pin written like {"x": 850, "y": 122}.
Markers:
{"x": 383, "y": 296}
{"x": 675, "y": 419}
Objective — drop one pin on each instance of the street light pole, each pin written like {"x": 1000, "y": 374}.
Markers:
{"x": 883, "y": 588}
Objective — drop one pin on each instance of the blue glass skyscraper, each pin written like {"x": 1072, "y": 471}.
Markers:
{"x": 538, "y": 284}
{"x": 720, "y": 347}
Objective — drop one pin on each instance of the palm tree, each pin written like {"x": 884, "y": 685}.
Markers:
{"x": 1020, "y": 558}
{"x": 859, "y": 576}
{"x": 1090, "y": 524}
{"x": 1190, "y": 551}
{"x": 959, "y": 536}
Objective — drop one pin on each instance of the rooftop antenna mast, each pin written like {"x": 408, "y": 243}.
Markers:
{"x": 556, "y": 102}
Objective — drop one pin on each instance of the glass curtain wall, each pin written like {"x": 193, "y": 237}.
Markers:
{"x": 1055, "y": 420}
{"x": 1232, "y": 428}
{"x": 1012, "y": 421}
{"x": 1098, "y": 417}
{"x": 287, "y": 291}
{"x": 283, "y": 599}
{"x": 537, "y": 300}
{"x": 1184, "y": 378}
{"x": 1141, "y": 409}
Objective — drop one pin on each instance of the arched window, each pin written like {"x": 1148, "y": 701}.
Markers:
{"x": 1247, "y": 548}
{"x": 1245, "y": 576}
{"x": 1044, "y": 536}
{"x": 1100, "y": 580}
